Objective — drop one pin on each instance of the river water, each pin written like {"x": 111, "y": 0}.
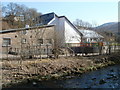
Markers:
{"x": 108, "y": 77}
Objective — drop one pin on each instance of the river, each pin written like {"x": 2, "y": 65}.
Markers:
{"x": 108, "y": 77}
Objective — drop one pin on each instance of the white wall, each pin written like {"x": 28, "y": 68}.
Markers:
{"x": 59, "y": 30}
{"x": 71, "y": 35}
{"x": 65, "y": 32}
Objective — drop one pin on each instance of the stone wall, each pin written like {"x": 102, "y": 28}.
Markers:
{"x": 24, "y": 41}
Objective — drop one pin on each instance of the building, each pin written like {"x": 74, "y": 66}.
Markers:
{"x": 91, "y": 41}
{"x": 27, "y": 41}
{"x": 90, "y": 36}
{"x": 53, "y": 32}
{"x": 66, "y": 32}
{"x": 69, "y": 35}
{"x": 19, "y": 18}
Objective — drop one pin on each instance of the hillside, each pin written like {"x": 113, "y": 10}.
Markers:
{"x": 110, "y": 27}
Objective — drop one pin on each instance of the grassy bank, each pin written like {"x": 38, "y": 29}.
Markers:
{"x": 15, "y": 72}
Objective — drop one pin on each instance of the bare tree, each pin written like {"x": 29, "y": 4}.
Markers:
{"x": 82, "y": 24}
{"x": 10, "y": 11}
{"x": 24, "y": 15}
{"x": 31, "y": 16}
{"x": 94, "y": 24}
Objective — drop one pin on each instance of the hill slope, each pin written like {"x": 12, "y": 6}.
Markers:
{"x": 111, "y": 26}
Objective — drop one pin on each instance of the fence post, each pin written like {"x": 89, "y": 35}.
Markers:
{"x": 40, "y": 52}
{"x": 7, "y": 51}
{"x": 109, "y": 49}
{"x": 47, "y": 50}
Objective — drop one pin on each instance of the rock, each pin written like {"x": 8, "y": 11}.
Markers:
{"x": 109, "y": 77}
{"x": 111, "y": 74}
{"x": 102, "y": 81}
{"x": 68, "y": 77}
{"x": 55, "y": 75}
{"x": 111, "y": 70}
{"x": 28, "y": 80}
{"x": 93, "y": 78}
{"x": 34, "y": 83}
{"x": 82, "y": 65}
{"x": 114, "y": 76}
{"x": 89, "y": 87}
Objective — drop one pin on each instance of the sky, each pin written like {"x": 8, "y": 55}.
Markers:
{"x": 92, "y": 12}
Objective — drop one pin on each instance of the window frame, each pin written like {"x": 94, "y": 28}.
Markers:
{"x": 24, "y": 42}
{"x": 9, "y": 43}
{"x": 49, "y": 41}
{"x": 40, "y": 41}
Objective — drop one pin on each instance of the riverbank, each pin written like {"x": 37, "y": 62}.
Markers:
{"x": 15, "y": 72}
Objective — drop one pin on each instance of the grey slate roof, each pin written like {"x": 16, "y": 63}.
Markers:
{"x": 46, "y": 18}
{"x": 20, "y": 29}
{"x": 90, "y": 34}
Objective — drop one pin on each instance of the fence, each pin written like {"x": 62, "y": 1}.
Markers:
{"x": 39, "y": 51}
{"x": 106, "y": 49}
{"x": 46, "y": 50}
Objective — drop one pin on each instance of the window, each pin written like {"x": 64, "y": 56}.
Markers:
{"x": 49, "y": 41}
{"x": 88, "y": 39}
{"x": 44, "y": 49}
{"x": 73, "y": 37}
{"x": 6, "y": 41}
{"x": 40, "y": 41}
{"x": 101, "y": 39}
{"x": 24, "y": 40}
{"x": 24, "y": 32}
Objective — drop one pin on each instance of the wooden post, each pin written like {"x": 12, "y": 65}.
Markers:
{"x": 7, "y": 51}
{"x": 109, "y": 49}
{"x": 40, "y": 52}
{"x": 47, "y": 50}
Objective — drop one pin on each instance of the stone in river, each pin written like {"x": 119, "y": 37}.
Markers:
{"x": 93, "y": 78}
{"x": 102, "y": 81}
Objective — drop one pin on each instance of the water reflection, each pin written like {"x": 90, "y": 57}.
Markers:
{"x": 104, "y": 78}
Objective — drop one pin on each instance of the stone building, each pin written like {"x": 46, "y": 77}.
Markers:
{"x": 52, "y": 32}
{"x": 27, "y": 41}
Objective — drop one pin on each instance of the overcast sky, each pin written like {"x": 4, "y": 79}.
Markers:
{"x": 93, "y": 12}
